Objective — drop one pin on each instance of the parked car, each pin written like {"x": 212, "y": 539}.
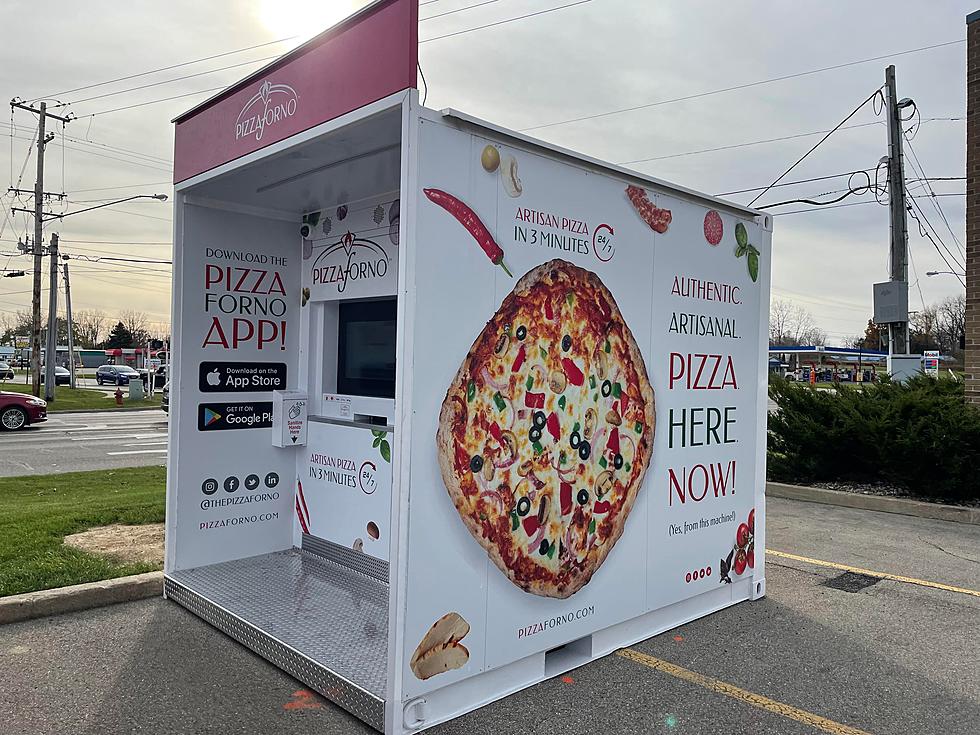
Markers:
{"x": 165, "y": 399}
{"x": 18, "y": 410}
{"x": 115, "y": 375}
{"x": 6, "y": 372}
{"x": 61, "y": 375}
{"x": 159, "y": 377}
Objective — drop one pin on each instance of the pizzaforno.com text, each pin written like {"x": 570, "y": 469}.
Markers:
{"x": 555, "y": 622}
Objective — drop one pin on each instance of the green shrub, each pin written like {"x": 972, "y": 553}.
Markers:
{"x": 919, "y": 435}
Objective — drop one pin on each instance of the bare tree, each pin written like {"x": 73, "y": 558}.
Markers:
{"x": 951, "y": 324}
{"x": 922, "y": 329}
{"x": 791, "y": 325}
{"x": 137, "y": 324}
{"x": 90, "y": 326}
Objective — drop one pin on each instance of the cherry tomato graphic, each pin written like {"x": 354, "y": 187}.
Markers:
{"x": 752, "y": 520}
{"x": 750, "y": 557}
{"x": 740, "y": 562}
{"x": 742, "y": 536}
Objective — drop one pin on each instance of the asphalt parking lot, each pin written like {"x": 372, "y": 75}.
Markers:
{"x": 821, "y": 653}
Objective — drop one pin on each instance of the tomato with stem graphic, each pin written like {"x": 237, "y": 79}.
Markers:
{"x": 740, "y": 561}
{"x": 742, "y": 536}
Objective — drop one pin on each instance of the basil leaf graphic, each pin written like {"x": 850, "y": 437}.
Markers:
{"x": 754, "y": 266}
{"x": 741, "y": 236}
{"x": 386, "y": 450}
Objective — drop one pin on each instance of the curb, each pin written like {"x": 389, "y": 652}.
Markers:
{"x": 882, "y": 504}
{"x": 80, "y": 597}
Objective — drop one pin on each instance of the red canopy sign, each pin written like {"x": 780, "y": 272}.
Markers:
{"x": 370, "y": 56}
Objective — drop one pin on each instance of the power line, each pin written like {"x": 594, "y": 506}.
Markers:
{"x": 923, "y": 232}
{"x": 502, "y": 22}
{"x": 745, "y": 86}
{"x": 744, "y": 145}
{"x": 165, "y": 68}
{"x": 856, "y": 204}
{"x": 457, "y": 10}
{"x": 825, "y": 178}
{"x": 935, "y": 203}
{"x": 435, "y": 38}
{"x": 817, "y": 144}
{"x": 168, "y": 81}
{"x": 131, "y": 161}
{"x": 116, "y": 149}
{"x": 131, "y": 186}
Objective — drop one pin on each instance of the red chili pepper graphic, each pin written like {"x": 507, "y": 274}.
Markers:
{"x": 471, "y": 222}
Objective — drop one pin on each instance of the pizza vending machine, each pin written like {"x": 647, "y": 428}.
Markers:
{"x": 453, "y": 410}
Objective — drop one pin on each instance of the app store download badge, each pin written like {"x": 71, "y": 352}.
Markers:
{"x": 238, "y": 415}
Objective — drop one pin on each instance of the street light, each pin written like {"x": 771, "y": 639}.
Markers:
{"x": 158, "y": 197}
{"x": 941, "y": 273}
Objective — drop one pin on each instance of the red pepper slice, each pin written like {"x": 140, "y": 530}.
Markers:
{"x": 601, "y": 506}
{"x": 519, "y": 360}
{"x": 495, "y": 431}
{"x": 531, "y": 525}
{"x": 566, "y": 498}
{"x": 572, "y": 372}
{"x": 549, "y": 310}
{"x": 553, "y": 427}
{"x": 624, "y": 399}
{"x": 613, "y": 443}
{"x": 534, "y": 400}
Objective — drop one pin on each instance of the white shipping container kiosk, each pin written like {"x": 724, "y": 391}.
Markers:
{"x": 324, "y": 300}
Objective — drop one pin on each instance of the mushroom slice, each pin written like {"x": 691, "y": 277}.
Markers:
{"x": 590, "y": 420}
{"x": 439, "y": 650}
{"x": 557, "y": 381}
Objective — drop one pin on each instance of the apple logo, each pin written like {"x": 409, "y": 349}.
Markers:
{"x": 214, "y": 377}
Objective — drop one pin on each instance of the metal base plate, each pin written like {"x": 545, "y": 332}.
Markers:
{"x": 317, "y": 620}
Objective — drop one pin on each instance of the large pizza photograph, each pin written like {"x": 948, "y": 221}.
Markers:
{"x": 546, "y": 431}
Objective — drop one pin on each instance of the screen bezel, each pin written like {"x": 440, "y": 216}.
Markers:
{"x": 379, "y": 310}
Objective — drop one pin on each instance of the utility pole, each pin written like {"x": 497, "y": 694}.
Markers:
{"x": 51, "y": 350}
{"x": 898, "y": 269}
{"x": 71, "y": 327}
{"x": 42, "y": 140}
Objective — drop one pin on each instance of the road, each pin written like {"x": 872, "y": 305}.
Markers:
{"x": 72, "y": 442}
{"x": 889, "y": 658}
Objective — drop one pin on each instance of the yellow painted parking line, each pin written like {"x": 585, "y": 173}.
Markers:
{"x": 881, "y": 575}
{"x": 742, "y": 695}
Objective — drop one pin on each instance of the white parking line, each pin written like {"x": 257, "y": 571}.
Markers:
{"x": 115, "y": 436}
{"x": 138, "y": 451}
{"x": 145, "y": 444}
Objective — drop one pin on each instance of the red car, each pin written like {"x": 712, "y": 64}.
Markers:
{"x": 18, "y": 410}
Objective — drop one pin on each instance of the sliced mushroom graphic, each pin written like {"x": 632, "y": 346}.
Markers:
{"x": 440, "y": 649}
{"x": 509, "y": 177}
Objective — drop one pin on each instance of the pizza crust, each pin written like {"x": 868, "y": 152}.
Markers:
{"x": 446, "y": 450}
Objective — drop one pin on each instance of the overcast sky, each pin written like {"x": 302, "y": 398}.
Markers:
{"x": 595, "y": 57}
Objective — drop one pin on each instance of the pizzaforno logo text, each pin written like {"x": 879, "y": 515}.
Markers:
{"x": 558, "y": 620}
{"x": 270, "y": 105}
